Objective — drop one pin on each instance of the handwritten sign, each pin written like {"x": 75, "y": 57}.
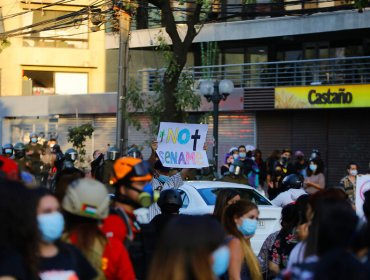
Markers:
{"x": 181, "y": 145}
{"x": 362, "y": 185}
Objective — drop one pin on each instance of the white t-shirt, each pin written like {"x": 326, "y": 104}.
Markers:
{"x": 287, "y": 197}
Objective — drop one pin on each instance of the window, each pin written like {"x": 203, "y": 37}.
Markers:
{"x": 49, "y": 83}
{"x": 75, "y": 36}
{"x": 184, "y": 198}
{"x": 209, "y": 195}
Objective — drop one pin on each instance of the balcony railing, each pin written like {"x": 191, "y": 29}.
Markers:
{"x": 349, "y": 70}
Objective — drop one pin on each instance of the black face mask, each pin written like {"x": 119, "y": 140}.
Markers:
{"x": 284, "y": 160}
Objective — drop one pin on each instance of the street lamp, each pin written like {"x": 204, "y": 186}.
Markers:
{"x": 215, "y": 92}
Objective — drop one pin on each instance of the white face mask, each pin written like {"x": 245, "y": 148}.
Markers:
{"x": 353, "y": 172}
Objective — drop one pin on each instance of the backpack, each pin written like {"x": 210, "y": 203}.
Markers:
{"x": 140, "y": 247}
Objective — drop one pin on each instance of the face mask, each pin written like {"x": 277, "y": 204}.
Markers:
{"x": 8, "y": 151}
{"x": 248, "y": 227}
{"x": 253, "y": 158}
{"x": 52, "y": 145}
{"x": 284, "y": 160}
{"x": 221, "y": 259}
{"x": 73, "y": 156}
{"x": 313, "y": 167}
{"x": 353, "y": 172}
{"x": 34, "y": 140}
{"x": 51, "y": 226}
{"x": 163, "y": 178}
{"x": 313, "y": 155}
{"x": 242, "y": 154}
{"x": 236, "y": 156}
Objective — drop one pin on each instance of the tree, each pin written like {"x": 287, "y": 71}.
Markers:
{"x": 178, "y": 50}
{"x": 77, "y": 136}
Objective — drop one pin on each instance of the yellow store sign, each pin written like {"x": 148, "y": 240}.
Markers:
{"x": 328, "y": 96}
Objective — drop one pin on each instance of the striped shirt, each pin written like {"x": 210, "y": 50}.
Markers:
{"x": 174, "y": 182}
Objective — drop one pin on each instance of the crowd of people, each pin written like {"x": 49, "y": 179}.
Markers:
{"x": 122, "y": 220}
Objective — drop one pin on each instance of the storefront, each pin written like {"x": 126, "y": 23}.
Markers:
{"x": 333, "y": 119}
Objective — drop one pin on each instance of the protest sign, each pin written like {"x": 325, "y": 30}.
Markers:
{"x": 362, "y": 185}
{"x": 181, "y": 145}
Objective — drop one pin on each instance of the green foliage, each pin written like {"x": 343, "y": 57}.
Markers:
{"x": 361, "y": 4}
{"x": 77, "y": 136}
{"x": 166, "y": 51}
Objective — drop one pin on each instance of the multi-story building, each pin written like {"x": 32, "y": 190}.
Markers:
{"x": 301, "y": 72}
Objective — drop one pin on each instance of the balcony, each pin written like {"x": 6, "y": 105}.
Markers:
{"x": 349, "y": 70}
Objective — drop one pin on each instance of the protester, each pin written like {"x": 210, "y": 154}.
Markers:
{"x": 297, "y": 254}
{"x": 300, "y": 163}
{"x": 86, "y": 204}
{"x": 349, "y": 182}
{"x": 34, "y": 151}
{"x": 281, "y": 169}
{"x": 240, "y": 222}
{"x": 261, "y": 166}
{"x": 57, "y": 259}
{"x": 19, "y": 238}
{"x": 224, "y": 198}
{"x": 133, "y": 192}
{"x": 236, "y": 174}
{"x": 285, "y": 240}
{"x": 229, "y": 159}
{"x": 315, "y": 179}
{"x": 187, "y": 250}
{"x": 270, "y": 163}
{"x": 293, "y": 185}
{"x": 9, "y": 169}
{"x": 170, "y": 203}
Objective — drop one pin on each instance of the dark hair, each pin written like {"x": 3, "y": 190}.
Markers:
{"x": 320, "y": 166}
{"x": 223, "y": 197}
{"x": 275, "y": 154}
{"x": 286, "y": 150}
{"x": 351, "y": 163}
{"x": 333, "y": 226}
{"x": 302, "y": 206}
{"x": 185, "y": 248}
{"x": 289, "y": 218}
{"x": 340, "y": 265}
{"x": 242, "y": 146}
{"x": 19, "y": 228}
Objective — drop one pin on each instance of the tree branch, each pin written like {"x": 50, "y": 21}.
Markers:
{"x": 192, "y": 21}
{"x": 170, "y": 24}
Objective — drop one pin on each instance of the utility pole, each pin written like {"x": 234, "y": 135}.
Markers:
{"x": 122, "y": 124}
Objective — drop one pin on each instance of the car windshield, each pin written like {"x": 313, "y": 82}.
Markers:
{"x": 209, "y": 195}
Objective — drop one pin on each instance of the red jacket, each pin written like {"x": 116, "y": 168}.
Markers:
{"x": 115, "y": 263}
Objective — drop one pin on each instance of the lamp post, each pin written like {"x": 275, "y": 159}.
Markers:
{"x": 215, "y": 92}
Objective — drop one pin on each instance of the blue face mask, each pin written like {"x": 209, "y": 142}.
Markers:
{"x": 34, "y": 140}
{"x": 248, "y": 227}
{"x": 242, "y": 154}
{"x": 163, "y": 178}
{"x": 221, "y": 260}
{"x": 235, "y": 156}
{"x": 51, "y": 226}
{"x": 313, "y": 167}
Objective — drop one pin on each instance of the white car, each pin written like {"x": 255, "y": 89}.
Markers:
{"x": 199, "y": 198}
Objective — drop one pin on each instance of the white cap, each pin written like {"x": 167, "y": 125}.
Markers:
{"x": 233, "y": 149}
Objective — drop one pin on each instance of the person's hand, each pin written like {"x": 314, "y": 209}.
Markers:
{"x": 154, "y": 145}
{"x": 270, "y": 185}
{"x": 30, "y": 152}
{"x": 205, "y": 146}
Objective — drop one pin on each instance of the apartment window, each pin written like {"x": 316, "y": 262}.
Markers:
{"x": 75, "y": 36}
{"x": 50, "y": 83}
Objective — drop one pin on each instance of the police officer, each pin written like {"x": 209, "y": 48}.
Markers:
{"x": 8, "y": 151}
{"x": 236, "y": 173}
{"x": 70, "y": 157}
{"x": 112, "y": 156}
{"x": 33, "y": 152}
{"x": 23, "y": 162}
